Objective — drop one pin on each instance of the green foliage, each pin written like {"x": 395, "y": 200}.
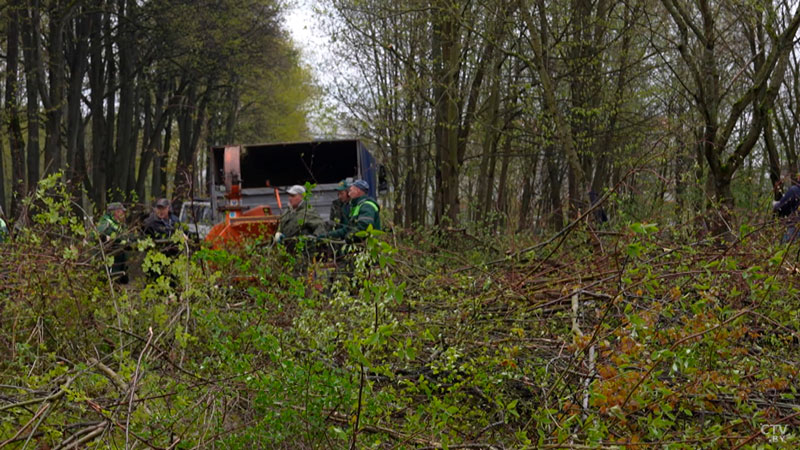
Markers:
{"x": 277, "y": 104}
{"x": 402, "y": 343}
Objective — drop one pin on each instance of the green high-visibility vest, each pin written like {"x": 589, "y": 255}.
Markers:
{"x": 357, "y": 209}
{"x": 354, "y": 213}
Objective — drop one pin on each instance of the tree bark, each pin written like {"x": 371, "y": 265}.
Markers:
{"x": 13, "y": 128}
{"x": 191, "y": 120}
{"x": 3, "y": 204}
{"x": 78, "y": 60}
{"x": 447, "y": 52}
{"x": 503, "y": 186}
{"x": 32, "y": 61}
{"x": 554, "y": 211}
{"x": 52, "y": 94}
{"x": 111, "y": 105}
{"x": 155, "y": 122}
{"x": 490, "y": 140}
{"x": 125, "y": 150}
{"x": 160, "y": 157}
{"x": 528, "y": 189}
{"x": 97, "y": 90}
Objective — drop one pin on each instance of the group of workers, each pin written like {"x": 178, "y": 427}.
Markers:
{"x": 352, "y": 211}
{"x": 159, "y": 225}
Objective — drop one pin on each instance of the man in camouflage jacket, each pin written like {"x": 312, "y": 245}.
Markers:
{"x": 300, "y": 219}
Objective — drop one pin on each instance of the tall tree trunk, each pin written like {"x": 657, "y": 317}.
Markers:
{"x": 554, "y": 189}
{"x": 422, "y": 168}
{"x": 487, "y": 201}
{"x": 13, "y": 128}
{"x": 111, "y": 81}
{"x": 191, "y": 120}
{"x": 53, "y": 94}
{"x": 786, "y": 116}
{"x": 148, "y": 132}
{"x": 134, "y": 138}
{"x": 152, "y": 142}
{"x": 97, "y": 90}
{"x": 3, "y": 204}
{"x": 160, "y": 159}
{"x": 125, "y": 152}
{"x": 446, "y": 61}
{"x": 78, "y": 61}
{"x": 407, "y": 187}
{"x": 233, "y": 115}
{"x": 604, "y": 146}
{"x": 757, "y": 43}
{"x": 502, "y": 191}
{"x": 32, "y": 57}
{"x": 786, "y": 127}
{"x": 772, "y": 156}
{"x": 490, "y": 140}
{"x": 528, "y": 188}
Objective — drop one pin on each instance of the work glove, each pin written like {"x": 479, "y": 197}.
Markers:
{"x": 278, "y": 237}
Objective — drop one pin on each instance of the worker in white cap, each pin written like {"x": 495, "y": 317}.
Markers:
{"x": 300, "y": 218}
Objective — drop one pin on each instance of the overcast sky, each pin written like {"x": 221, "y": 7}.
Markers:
{"x": 305, "y": 31}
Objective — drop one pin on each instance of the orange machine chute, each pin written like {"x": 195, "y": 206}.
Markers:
{"x": 240, "y": 225}
{"x": 253, "y": 223}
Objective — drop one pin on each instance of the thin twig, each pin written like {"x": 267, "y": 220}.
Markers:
{"x": 134, "y": 380}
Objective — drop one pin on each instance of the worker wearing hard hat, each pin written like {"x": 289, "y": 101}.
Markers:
{"x": 364, "y": 212}
{"x": 300, "y": 218}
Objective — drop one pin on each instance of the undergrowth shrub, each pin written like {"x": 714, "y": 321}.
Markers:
{"x": 642, "y": 334}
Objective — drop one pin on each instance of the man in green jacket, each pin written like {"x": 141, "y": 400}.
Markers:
{"x": 340, "y": 208}
{"x": 110, "y": 230}
{"x": 300, "y": 219}
{"x": 364, "y": 211}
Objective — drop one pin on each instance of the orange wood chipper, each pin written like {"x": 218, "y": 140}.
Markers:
{"x": 241, "y": 223}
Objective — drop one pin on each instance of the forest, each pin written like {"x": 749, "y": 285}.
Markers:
{"x": 578, "y": 249}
